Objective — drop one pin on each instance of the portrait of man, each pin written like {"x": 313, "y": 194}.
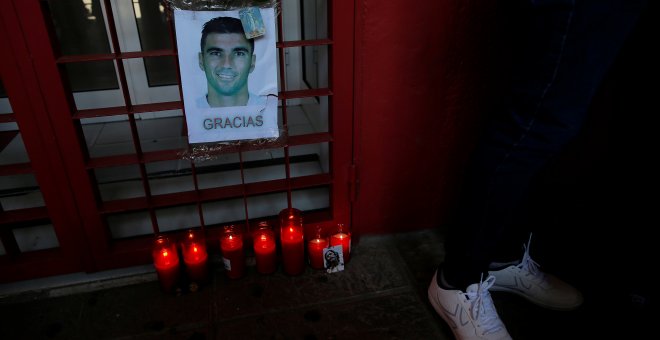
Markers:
{"x": 227, "y": 58}
{"x": 228, "y": 77}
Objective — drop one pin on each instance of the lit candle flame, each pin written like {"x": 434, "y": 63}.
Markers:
{"x": 165, "y": 253}
{"x": 194, "y": 249}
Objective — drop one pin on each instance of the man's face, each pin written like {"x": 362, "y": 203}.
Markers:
{"x": 227, "y": 60}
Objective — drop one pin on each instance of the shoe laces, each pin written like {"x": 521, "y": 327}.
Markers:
{"x": 482, "y": 307}
{"x": 529, "y": 266}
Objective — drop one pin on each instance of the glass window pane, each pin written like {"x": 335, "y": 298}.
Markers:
{"x": 12, "y": 149}
{"x": 178, "y": 218}
{"x": 264, "y": 165}
{"x": 160, "y": 131}
{"x": 119, "y": 182}
{"x": 17, "y": 191}
{"x": 129, "y": 224}
{"x": 20, "y": 192}
{"x": 266, "y": 205}
{"x": 36, "y": 238}
{"x": 80, "y": 29}
{"x": 220, "y": 171}
{"x": 161, "y": 71}
{"x": 108, "y": 136}
{"x": 170, "y": 177}
{"x": 91, "y": 76}
{"x": 314, "y": 19}
{"x": 306, "y": 67}
{"x": 309, "y": 116}
{"x": 151, "y": 20}
{"x": 224, "y": 212}
{"x": 315, "y": 66}
{"x": 310, "y": 159}
{"x": 311, "y": 199}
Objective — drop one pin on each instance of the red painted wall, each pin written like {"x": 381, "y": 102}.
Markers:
{"x": 421, "y": 83}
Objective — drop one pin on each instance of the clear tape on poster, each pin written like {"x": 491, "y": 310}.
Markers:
{"x": 221, "y": 5}
{"x": 200, "y": 152}
{"x": 210, "y": 151}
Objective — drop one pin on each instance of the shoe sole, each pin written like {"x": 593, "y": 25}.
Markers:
{"x": 440, "y": 311}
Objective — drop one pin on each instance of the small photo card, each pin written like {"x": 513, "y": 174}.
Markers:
{"x": 333, "y": 259}
{"x": 253, "y": 25}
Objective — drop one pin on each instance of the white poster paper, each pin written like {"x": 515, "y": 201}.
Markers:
{"x": 229, "y": 87}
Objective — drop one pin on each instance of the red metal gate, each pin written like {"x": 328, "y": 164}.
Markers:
{"x": 109, "y": 151}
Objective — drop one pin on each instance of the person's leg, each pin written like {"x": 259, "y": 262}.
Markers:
{"x": 565, "y": 50}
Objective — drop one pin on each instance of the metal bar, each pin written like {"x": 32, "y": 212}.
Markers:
{"x": 287, "y": 167}
{"x": 23, "y": 215}
{"x": 123, "y": 110}
{"x": 21, "y": 29}
{"x": 297, "y": 43}
{"x": 167, "y": 155}
{"x": 16, "y": 169}
{"x": 341, "y": 26}
{"x": 245, "y": 205}
{"x": 305, "y": 93}
{"x": 45, "y": 103}
{"x": 214, "y": 194}
{"x": 127, "y": 100}
{"x": 114, "y": 56}
{"x": 7, "y": 118}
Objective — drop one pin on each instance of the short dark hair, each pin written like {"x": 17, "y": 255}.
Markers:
{"x": 223, "y": 25}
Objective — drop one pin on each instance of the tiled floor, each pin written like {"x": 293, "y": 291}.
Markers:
{"x": 381, "y": 295}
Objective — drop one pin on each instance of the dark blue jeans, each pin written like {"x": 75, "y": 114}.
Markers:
{"x": 562, "y": 49}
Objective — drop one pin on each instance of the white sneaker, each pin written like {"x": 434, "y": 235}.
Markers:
{"x": 471, "y": 315}
{"x": 528, "y": 281}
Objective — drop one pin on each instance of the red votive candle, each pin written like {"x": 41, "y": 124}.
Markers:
{"x": 315, "y": 251}
{"x": 292, "y": 238}
{"x": 343, "y": 238}
{"x": 263, "y": 241}
{"x": 195, "y": 256}
{"x": 166, "y": 261}
{"x": 231, "y": 244}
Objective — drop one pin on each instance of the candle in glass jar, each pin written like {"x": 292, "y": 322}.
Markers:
{"x": 315, "y": 252}
{"x": 293, "y": 250}
{"x": 231, "y": 244}
{"x": 293, "y": 241}
{"x": 264, "y": 249}
{"x": 195, "y": 256}
{"x": 166, "y": 261}
{"x": 343, "y": 238}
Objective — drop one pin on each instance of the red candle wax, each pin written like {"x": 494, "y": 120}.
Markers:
{"x": 345, "y": 241}
{"x": 293, "y": 250}
{"x": 166, "y": 262}
{"x": 195, "y": 258}
{"x": 315, "y": 251}
{"x": 233, "y": 256}
{"x": 264, "y": 250}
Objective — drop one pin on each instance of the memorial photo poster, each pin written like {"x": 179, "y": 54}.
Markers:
{"x": 229, "y": 81}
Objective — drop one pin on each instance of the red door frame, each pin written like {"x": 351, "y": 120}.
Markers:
{"x": 63, "y": 170}
{"x": 31, "y": 115}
